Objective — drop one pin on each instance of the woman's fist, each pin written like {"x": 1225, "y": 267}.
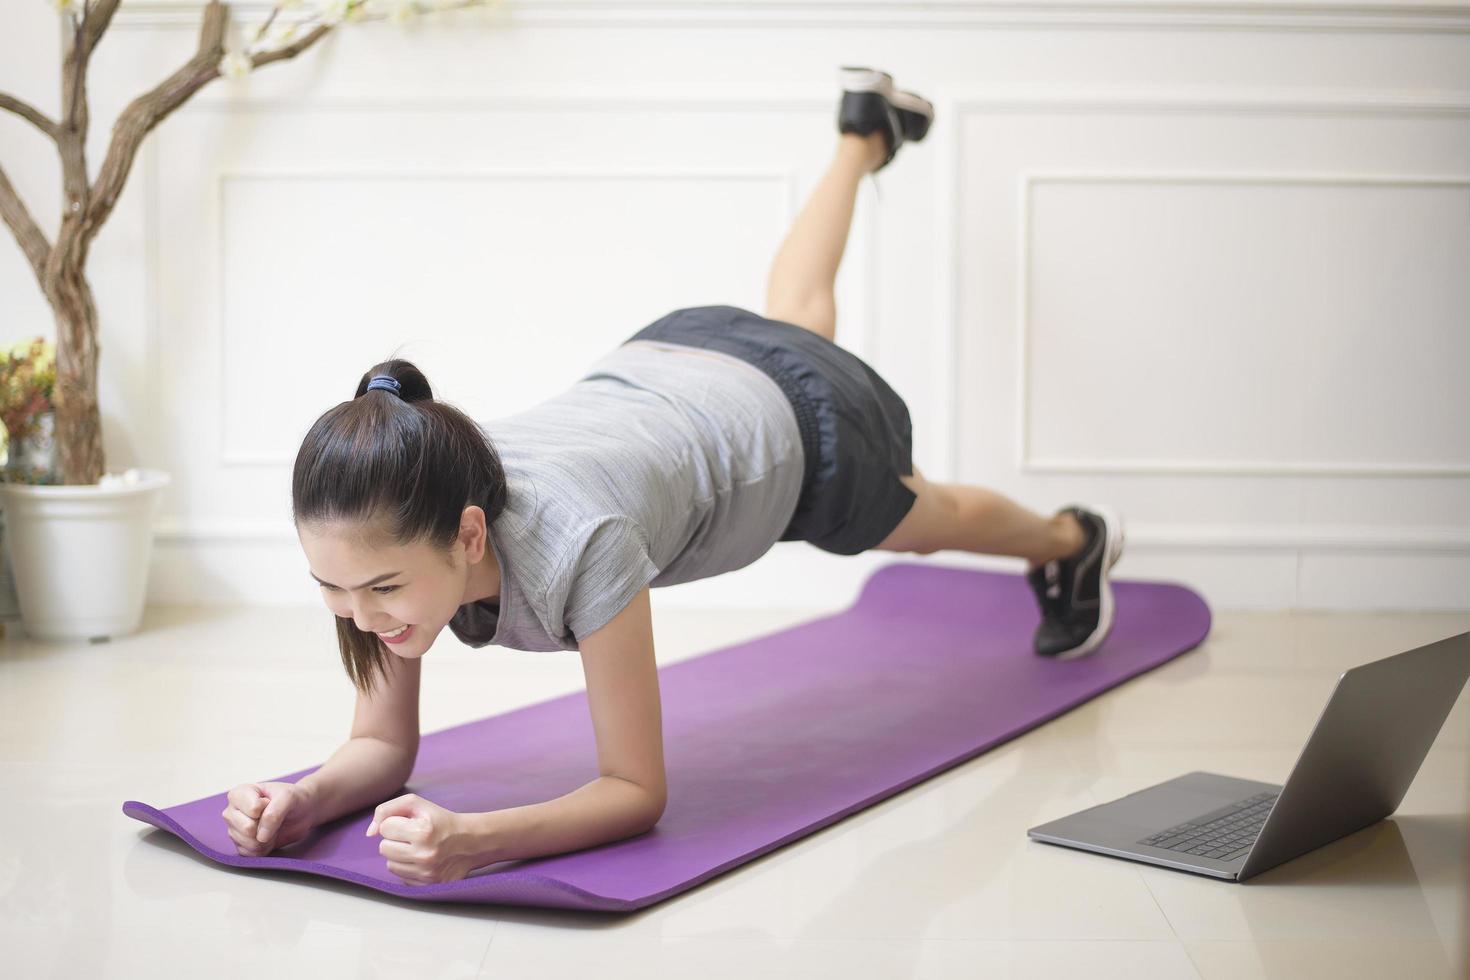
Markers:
{"x": 264, "y": 816}
{"x": 423, "y": 842}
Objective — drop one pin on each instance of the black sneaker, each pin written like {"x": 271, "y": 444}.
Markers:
{"x": 1073, "y": 592}
{"x": 870, "y": 102}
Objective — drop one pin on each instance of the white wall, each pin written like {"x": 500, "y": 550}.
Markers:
{"x": 1205, "y": 263}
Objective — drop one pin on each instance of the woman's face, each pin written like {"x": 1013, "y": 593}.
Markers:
{"x": 384, "y": 588}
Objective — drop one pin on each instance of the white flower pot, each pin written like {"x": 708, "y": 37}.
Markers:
{"x": 80, "y": 555}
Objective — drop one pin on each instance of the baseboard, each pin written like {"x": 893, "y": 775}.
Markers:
{"x": 796, "y": 575}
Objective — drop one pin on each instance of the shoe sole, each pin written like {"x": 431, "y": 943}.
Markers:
{"x": 1112, "y": 551}
{"x": 910, "y": 102}
{"x": 854, "y": 78}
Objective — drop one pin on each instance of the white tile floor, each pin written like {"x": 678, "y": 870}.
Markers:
{"x": 939, "y": 881}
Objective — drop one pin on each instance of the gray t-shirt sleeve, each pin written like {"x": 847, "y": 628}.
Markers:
{"x": 600, "y": 573}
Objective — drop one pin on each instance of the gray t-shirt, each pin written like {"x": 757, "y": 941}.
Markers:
{"x": 663, "y": 464}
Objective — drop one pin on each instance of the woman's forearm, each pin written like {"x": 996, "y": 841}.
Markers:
{"x": 363, "y": 772}
{"x": 604, "y": 810}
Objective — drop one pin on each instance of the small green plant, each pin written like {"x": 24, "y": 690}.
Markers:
{"x": 27, "y": 386}
{"x": 27, "y": 382}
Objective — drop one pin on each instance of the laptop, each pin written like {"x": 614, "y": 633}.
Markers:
{"x": 1356, "y": 767}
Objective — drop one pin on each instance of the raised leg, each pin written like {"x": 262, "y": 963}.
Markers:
{"x": 965, "y": 518}
{"x": 799, "y": 288}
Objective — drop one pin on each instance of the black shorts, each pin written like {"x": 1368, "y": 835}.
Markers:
{"x": 855, "y": 430}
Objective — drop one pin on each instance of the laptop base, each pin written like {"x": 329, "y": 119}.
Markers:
{"x": 1116, "y": 828}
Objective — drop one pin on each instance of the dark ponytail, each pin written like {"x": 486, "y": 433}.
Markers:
{"x": 402, "y": 467}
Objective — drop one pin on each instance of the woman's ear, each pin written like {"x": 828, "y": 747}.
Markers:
{"x": 472, "y": 533}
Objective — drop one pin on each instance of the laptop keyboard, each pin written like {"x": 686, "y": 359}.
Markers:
{"x": 1222, "y": 835}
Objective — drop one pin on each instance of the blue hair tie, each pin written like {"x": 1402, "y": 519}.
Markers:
{"x": 384, "y": 382}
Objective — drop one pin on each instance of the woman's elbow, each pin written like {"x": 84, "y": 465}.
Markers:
{"x": 659, "y": 803}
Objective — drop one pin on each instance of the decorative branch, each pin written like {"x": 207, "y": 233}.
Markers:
{"x": 260, "y": 34}
{"x": 30, "y": 113}
{"x": 32, "y": 240}
{"x": 61, "y": 267}
{"x": 98, "y": 19}
{"x": 71, "y": 135}
{"x": 146, "y": 111}
{"x": 291, "y": 50}
{"x": 74, "y": 86}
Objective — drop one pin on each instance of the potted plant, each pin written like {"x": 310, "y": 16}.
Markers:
{"x": 81, "y": 544}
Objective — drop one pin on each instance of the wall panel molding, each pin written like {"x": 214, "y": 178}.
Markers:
{"x": 1027, "y": 463}
{"x": 1196, "y": 549}
{"x": 1241, "y": 15}
{"x": 1141, "y": 537}
{"x": 785, "y": 180}
{"x": 957, "y": 104}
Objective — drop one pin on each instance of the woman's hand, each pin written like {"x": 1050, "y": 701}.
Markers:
{"x": 264, "y": 816}
{"x": 423, "y": 842}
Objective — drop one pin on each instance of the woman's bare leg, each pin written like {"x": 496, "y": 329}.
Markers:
{"x": 800, "y": 291}
{"x": 799, "y": 288}
{"x": 969, "y": 518}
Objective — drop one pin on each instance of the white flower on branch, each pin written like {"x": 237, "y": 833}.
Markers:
{"x": 235, "y": 64}
{"x": 334, "y": 12}
{"x": 277, "y": 37}
{"x": 403, "y": 10}
{"x": 70, "y": 6}
{"x": 257, "y": 40}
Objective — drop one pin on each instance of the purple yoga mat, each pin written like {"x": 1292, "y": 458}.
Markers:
{"x": 765, "y": 741}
